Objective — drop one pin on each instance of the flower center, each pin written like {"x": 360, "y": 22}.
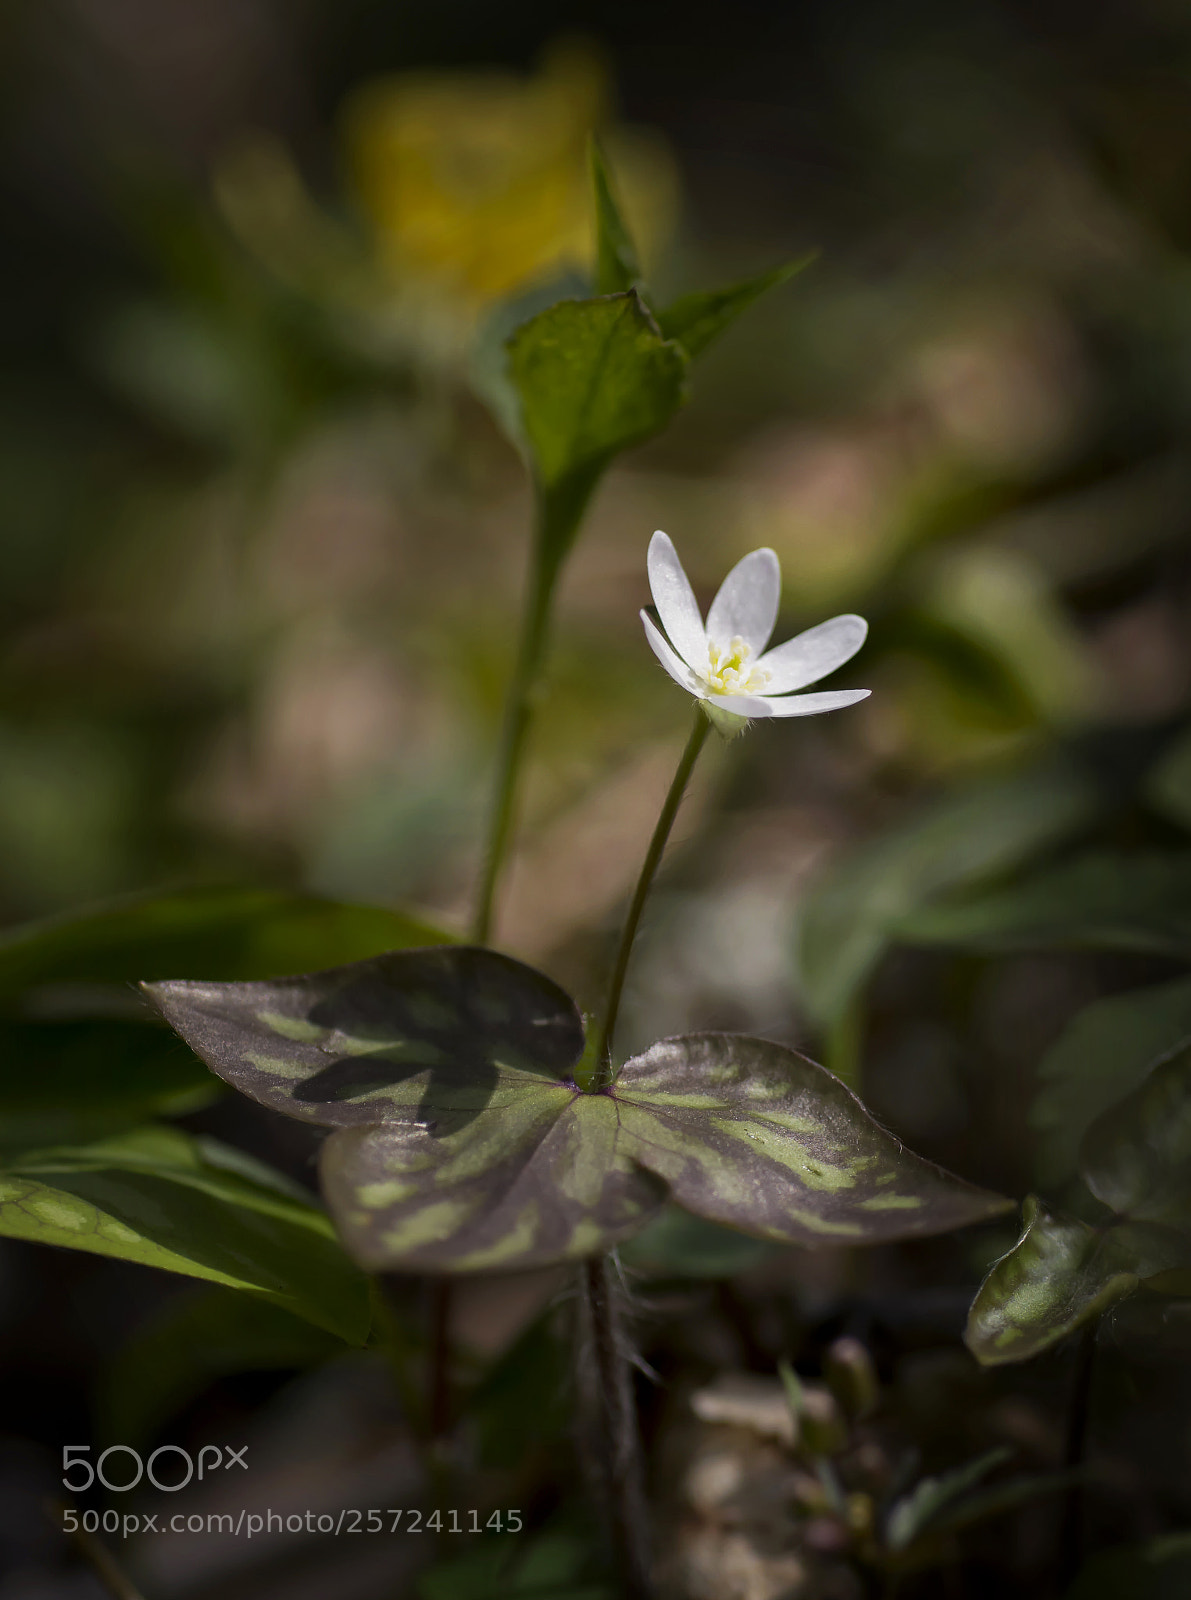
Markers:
{"x": 729, "y": 671}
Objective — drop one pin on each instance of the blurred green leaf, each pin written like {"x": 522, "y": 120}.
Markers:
{"x": 551, "y": 1566}
{"x": 193, "y": 1340}
{"x": 222, "y": 933}
{"x": 868, "y": 899}
{"x": 910, "y": 1516}
{"x": 1136, "y": 1156}
{"x": 1059, "y": 1274}
{"x": 677, "y": 1244}
{"x": 697, "y": 320}
{"x": 1138, "y": 902}
{"x": 617, "y": 267}
{"x": 1103, "y": 1053}
{"x": 594, "y": 377}
{"x": 1160, "y": 1570}
{"x": 159, "y": 1197}
{"x": 63, "y": 1083}
{"x": 522, "y": 1403}
{"x": 466, "y": 1145}
{"x": 1168, "y": 784}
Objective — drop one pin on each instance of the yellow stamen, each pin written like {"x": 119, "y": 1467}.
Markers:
{"x": 728, "y": 670}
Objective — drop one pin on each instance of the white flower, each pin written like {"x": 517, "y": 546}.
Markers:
{"x": 726, "y": 663}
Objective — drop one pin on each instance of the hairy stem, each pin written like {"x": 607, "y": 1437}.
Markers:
{"x": 653, "y": 859}
{"x": 615, "y": 1442}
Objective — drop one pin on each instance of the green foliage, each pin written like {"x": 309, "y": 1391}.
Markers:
{"x": 465, "y": 1144}
{"x": 871, "y": 898}
{"x": 223, "y": 933}
{"x": 676, "y": 1244}
{"x": 159, "y": 1197}
{"x": 617, "y": 267}
{"x": 1104, "y": 1052}
{"x": 697, "y": 320}
{"x": 194, "y": 1339}
{"x": 1136, "y": 1157}
{"x": 593, "y": 378}
{"x": 1137, "y": 902}
{"x": 931, "y": 1498}
{"x": 1160, "y": 1570}
{"x": 552, "y": 1566}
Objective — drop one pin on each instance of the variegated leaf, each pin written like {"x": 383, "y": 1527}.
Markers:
{"x": 1060, "y": 1274}
{"x": 749, "y": 1133}
{"x": 419, "y": 1036}
{"x": 465, "y": 1143}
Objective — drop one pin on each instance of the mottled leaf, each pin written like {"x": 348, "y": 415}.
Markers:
{"x": 221, "y": 933}
{"x": 749, "y": 1133}
{"x": 910, "y": 1516}
{"x": 1136, "y": 1156}
{"x": 697, "y": 320}
{"x": 1103, "y": 1053}
{"x": 466, "y": 1145}
{"x": 1138, "y": 902}
{"x": 978, "y": 832}
{"x": 617, "y": 267}
{"x": 164, "y": 1199}
{"x": 594, "y": 377}
{"x": 1059, "y": 1274}
{"x": 426, "y": 1038}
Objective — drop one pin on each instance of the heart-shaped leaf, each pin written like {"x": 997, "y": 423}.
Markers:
{"x": 467, "y": 1145}
{"x": 159, "y": 1197}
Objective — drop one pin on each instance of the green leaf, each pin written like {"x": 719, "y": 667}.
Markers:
{"x": 678, "y": 1245}
{"x": 64, "y": 1083}
{"x": 1160, "y": 1570}
{"x": 1138, "y": 902}
{"x": 697, "y": 320}
{"x": 1136, "y": 1156}
{"x": 216, "y": 933}
{"x": 159, "y": 1197}
{"x": 914, "y": 1513}
{"x": 976, "y": 833}
{"x": 594, "y": 377}
{"x": 466, "y": 1145}
{"x": 617, "y": 267}
{"x": 1059, "y": 1275}
{"x": 1104, "y": 1052}
{"x": 194, "y": 1339}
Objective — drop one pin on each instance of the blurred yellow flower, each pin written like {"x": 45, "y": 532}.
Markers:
{"x": 477, "y": 183}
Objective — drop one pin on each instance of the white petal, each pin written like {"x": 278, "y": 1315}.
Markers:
{"x": 741, "y": 705}
{"x": 677, "y": 669}
{"x": 813, "y": 654}
{"x": 676, "y": 603}
{"x": 809, "y": 705}
{"x": 747, "y": 603}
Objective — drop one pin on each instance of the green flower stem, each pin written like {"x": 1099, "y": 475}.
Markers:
{"x": 602, "y": 1052}
{"x": 558, "y": 513}
{"x": 607, "y": 1379}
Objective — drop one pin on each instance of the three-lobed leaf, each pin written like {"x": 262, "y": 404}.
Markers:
{"x": 165, "y": 1199}
{"x": 465, "y": 1144}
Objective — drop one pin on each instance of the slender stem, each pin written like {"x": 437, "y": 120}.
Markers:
{"x": 519, "y": 708}
{"x": 653, "y": 859}
{"x": 1078, "y": 1416}
{"x": 616, "y": 1439}
{"x": 101, "y": 1560}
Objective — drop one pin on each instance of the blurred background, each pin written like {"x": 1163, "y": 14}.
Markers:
{"x": 262, "y": 548}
